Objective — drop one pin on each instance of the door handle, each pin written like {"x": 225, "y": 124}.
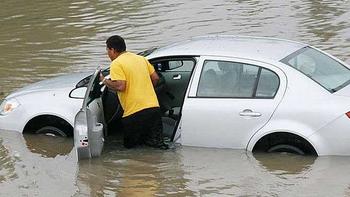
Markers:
{"x": 249, "y": 113}
{"x": 177, "y": 77}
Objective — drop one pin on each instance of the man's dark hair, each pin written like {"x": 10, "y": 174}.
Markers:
{"x": 117, "y": 43}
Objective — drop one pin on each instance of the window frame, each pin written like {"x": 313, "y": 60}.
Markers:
{"x": 256, "y": 83}
{"x": 154, "y": 61}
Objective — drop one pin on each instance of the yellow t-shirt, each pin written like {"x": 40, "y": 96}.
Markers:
{"x": 139, "y": 93}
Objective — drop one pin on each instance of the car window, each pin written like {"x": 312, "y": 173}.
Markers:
{"x": 223, "y": 79}
{"x": 85, "y": 81}
{"x": 321, "y": 68}
{"x": 268, "y": 84}
{"x": 175, "y": 65}
{"x": 183, "y": 65}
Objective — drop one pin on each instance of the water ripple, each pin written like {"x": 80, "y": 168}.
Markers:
{"x": 70, "y": 36}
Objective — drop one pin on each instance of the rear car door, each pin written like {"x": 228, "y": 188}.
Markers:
{"x": 88, "y": 124}
{"x": 229, "y": 100}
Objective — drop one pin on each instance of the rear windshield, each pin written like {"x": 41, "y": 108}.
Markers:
{"x": 321, "y": 68}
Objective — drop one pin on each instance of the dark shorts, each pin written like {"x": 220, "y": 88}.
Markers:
{"x": 143, "y": 127}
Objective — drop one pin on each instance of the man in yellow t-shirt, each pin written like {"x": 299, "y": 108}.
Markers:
{"x": 134, "y": 78}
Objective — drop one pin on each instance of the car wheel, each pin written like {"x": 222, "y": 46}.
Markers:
{"x": 286, "y": 148}
{"x": 51, "y": 130}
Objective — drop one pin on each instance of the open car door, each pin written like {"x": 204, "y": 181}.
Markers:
{"x": 88, "y": 124}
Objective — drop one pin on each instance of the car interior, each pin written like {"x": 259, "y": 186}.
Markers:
{"x": 174, "y": 74}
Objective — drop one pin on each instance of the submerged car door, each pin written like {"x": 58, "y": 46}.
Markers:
{"x": 88, "y": 127}
{"x": 229, "y": 100}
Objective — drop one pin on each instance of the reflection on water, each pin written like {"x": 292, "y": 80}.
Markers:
{"x": 214, "y": 172}
{"x": 30, "y": 174}
{"x": 7, "y": 169}
{"x": 187, "y": 171}
{"x": 41, "y": 39}
{"x": 48, "y": 146}
{"x": 137, "y": 172}
{"x": 280, "y": 164}
{"x": 182, "y": 171}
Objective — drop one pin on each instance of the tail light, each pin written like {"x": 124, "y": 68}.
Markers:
{"x": 348, "y": 114}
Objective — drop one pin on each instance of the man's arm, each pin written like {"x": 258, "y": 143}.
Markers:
{"x": 116, "y": 85}
{"x": 154, "y": 78}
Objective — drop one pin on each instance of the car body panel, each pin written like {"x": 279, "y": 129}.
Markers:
{"x": 53, "y": 84}
{"x": 343, "y": 92}
{"x": 89, "y": 123}
{"x": 307, "y": 110}
{"x": 35, "y": 106}
{"x": 263, "y": 49}
{"x": 45, "y": 97}
{"x": 333, "y": 138}
{"x": 218, "y": 122}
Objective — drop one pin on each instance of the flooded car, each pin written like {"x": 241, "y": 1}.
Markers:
{"x": 258, "y": 94}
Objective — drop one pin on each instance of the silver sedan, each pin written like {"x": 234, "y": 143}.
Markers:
{"x": 258, "y": 94}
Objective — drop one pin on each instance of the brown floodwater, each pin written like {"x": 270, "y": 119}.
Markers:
{"x": 41, "y": 39}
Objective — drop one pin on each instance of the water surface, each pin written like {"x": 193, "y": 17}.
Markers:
{"x": 41, "y": 39}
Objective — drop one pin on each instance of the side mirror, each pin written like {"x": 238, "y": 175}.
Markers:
{"x": 78, "y": 93}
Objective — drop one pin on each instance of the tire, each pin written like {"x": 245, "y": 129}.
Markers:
{"x": 51, "y": 130}
{"x": 286, "y": 148}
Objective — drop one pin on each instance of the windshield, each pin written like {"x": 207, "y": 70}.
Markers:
{"x": 321, "y": 68}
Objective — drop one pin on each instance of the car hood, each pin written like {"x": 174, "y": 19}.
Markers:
{"x": 60, "y": 82}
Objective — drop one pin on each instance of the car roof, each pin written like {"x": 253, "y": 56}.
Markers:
{"x": 257, "y": 48}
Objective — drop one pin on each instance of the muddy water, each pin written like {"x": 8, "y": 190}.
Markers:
{"x": 47, "y": 167}
{"x": 41, "y": 39}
